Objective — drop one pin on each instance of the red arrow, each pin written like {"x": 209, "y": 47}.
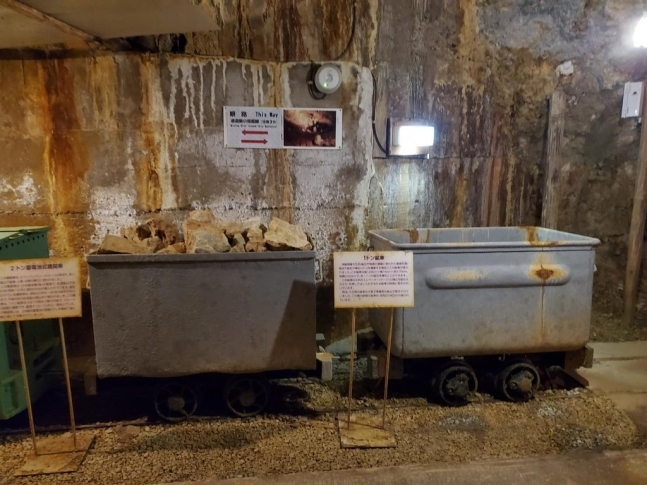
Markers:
{"x": 263, "y": 142}
{"x": 250, "y": 132}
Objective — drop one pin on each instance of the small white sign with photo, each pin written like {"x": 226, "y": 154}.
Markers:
{"x": 276, "y": 128}
{"x": 312, "y": 128}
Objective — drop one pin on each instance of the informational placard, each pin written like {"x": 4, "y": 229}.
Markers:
{"x": 374, "y": 279}
{"x": 33, "y": 289}
{"x": 248, "y": 127}
{"x": 294, "y": 128}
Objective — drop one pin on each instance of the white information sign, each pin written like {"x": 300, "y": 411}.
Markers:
{"x": 247, "y": 127}
{"x": 32, "y": 289}
{"x": 374, "y": 279}
{"x": 294, "y": 128}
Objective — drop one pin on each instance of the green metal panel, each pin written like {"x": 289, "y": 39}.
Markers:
{"x": 40, "y": 337}
{"x": 23, "y": 243}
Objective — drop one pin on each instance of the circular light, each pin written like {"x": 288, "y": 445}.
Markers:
{"x": 328, "y": 78}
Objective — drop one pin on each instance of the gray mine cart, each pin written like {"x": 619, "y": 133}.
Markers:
{"x": 500, "y": 302}
{"x": 195, "y": 317}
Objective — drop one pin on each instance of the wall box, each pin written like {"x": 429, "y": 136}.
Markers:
{"x": 632, "y": 100}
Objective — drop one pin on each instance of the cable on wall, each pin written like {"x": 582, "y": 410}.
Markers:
{"x": 351, "y": 37}
{"x": 312, "y": 89}
{"x": 375, "y": 137}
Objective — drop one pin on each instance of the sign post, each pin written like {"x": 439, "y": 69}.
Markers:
{"x": 387, "y": 368}
{"x": 372, "y": 280}
{"x": 38, "y": 289}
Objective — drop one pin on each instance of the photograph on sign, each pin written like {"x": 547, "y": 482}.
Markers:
{"x": 34, "y": 289}
{"x": 250, "y": 127}
{"x": 373, "y": 279}
{"x": 312, "y": 128}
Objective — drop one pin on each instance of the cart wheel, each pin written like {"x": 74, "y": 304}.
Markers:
{"x": 518, "y": 382}
{"x": 246, "y": 395}
{"x": 176, "y": 401}
{"x": 455, "y": 383}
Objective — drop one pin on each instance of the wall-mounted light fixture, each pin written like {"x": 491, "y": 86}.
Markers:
{"x": 328, "y": 78}
{"x": 323, "y": 80}
{"x": 409, "y": 138}
{"x": 640, "y": 34}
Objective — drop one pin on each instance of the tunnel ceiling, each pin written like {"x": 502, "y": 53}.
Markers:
{"x": 104, "y": 19}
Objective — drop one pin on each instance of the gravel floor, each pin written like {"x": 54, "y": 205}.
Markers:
{"x": 555, "y": 422}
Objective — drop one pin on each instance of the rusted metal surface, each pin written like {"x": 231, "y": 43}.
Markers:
{"x": 491, "y": 291}
{"x": 497, "y": 276}
{"x": 190, "y": 314}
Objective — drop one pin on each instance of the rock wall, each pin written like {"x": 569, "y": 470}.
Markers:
{"x": 481, "y": 70}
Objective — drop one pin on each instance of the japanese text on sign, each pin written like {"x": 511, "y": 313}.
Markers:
{"x": 276, "y": 128}
{"x": 374, "y": 279}
{"x": 39, "y": 288}
{"x": 249, "y": 127}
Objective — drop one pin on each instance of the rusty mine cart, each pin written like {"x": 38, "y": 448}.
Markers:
{"x": 495, "y": 302}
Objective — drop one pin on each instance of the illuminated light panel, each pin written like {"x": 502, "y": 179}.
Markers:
{"x": 640, "y": 34}
{"x": 409, "y": 137}
{"x": 414, "y": 136}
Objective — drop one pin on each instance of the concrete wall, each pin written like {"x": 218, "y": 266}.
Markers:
{"x": 102, "y": 142}
{"x": 95, "y": 144}
{"x": 92, "y": 145}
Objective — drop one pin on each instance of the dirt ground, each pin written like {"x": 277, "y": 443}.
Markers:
{"x": 306, "y": 438}
{"x": 606, "y": 318}
{"x": 606, "y": 327}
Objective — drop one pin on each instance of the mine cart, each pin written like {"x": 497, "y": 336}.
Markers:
{"x": 243, "y": 316}
{"x": 500, "y": 299}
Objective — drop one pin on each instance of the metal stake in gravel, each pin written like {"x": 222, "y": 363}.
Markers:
{"x": 352, "y": 359}
{"x": 387, "y": 369}
{"x": 371, "y": 280}
{"x": 40, "y": 289}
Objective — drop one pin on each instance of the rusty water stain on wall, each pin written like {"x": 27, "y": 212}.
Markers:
{"x": 456, "y": 93}
{"x": 288, "y": 30}
{"x": 148, "y": 165}
{"x": 129, "y": 135}
{"x": 278, "y": 188}
{"x": 476, "y": 175}
{"x": 65, "y": 158}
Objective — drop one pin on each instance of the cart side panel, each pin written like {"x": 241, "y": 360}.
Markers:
{"x": 567, "y": 308}
{"x": 163, "y": 316}
{"x": 456, "y": 314}
{"x": 490, "y": 291}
